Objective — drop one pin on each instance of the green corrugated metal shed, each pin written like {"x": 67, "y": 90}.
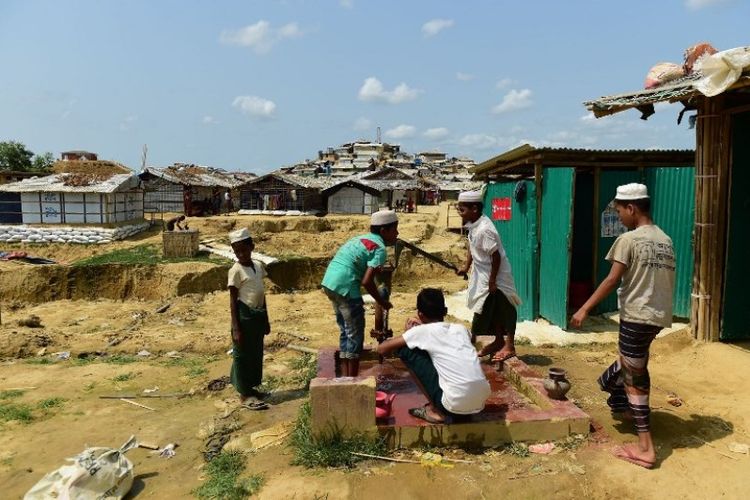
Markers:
{"x": 574, "y": 188}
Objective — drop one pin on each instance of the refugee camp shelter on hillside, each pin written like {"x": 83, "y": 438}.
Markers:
{"x": 552, "y": 208}
{"x": 284, "y": 192}
{"x": 396, "y": 185}
{"x": 191, "y": 189}
{"x": 78, "y": 155}
{"x": 722, "y": 187}
{"x": 80, "y": 192}
{"x": 351, "y": 197}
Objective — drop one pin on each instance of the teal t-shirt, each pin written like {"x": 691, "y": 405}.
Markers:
{"x": 345, "y": 272}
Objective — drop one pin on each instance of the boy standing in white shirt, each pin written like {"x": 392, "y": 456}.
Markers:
{"x": 247, "y": 305}
{"x": 492, "y": 292}
{"x": 443, "y": 360}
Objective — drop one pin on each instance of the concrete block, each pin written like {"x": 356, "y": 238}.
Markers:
{"x": 345, "y": 405}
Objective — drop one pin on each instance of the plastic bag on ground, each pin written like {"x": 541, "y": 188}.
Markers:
{"x": 95, "y": 473}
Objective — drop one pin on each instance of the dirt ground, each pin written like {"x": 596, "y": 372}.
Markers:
{"x": 692, "y": 440}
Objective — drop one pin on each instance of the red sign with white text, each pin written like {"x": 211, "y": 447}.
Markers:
{"x": 501, "y": 209}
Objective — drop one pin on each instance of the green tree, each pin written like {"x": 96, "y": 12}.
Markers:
{"x": 15, "y": 156}
{"x": 43, "y": 162}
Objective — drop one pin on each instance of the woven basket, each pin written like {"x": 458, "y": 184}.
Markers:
{"x": 180, "y": 243}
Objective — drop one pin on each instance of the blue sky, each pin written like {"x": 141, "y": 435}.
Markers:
{"x": 254, "y": 85}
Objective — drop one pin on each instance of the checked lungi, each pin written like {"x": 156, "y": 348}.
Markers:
{"x": 627, "y": 379}
{"x": 247, "y": 356}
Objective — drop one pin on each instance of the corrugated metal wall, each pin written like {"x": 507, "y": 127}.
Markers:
{"x": 554, "y": 268}
{"x": 519, "y": 240}
{"x": 672, "y": 193}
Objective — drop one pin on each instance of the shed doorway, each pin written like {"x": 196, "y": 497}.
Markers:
{"x": 736, "y": 303}
{"x": 582, "y": 252}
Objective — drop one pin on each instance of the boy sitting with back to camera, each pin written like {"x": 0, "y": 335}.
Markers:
{"x": 443, "y": 361}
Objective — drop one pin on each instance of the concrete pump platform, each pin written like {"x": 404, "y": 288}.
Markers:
{"x": 518, "y": 408}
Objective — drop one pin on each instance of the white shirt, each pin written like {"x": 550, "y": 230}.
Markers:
{"x": 460, "y": 376}
{"x": 484, "y": 240}
{"x": 249, "y": 283}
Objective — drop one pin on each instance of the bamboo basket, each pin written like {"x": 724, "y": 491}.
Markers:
{"x": 180, "y": 243}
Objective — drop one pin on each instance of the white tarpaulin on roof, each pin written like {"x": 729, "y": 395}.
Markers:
{"x": 721, "y": 70}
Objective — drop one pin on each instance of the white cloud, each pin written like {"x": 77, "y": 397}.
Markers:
{"x": 347, "y": 4}
{"x": 69, "y": 105}
{"x": 362, "y": 124}
{"x": 372, "y": 90}
{"x": 479, "y": 141}
{"x": 504, "y": 83}
{"x": 464, "y": 77}
{"x": 514, "y": 100}
{"x": 436, "y": 134}
{"x": 127, "y": 123}
{"x": 401, "y": 132}
{"x": 260, "y": 37}
{"x": 435, "y": 26}
{"x": 209, "y": 120}
{"x": 254, "y": 106}
{"x": 700, "y": 4}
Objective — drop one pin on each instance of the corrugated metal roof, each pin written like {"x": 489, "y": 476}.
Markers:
{"x": 299, "y": 181}
{"x": 195, "y": 175}
{"x": 352, "y": 183}
{"x": 527, "y": 155}
{"x": 56, "y": 184}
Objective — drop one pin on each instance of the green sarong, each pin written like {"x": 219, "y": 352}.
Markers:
{"x": 247, "y": 356}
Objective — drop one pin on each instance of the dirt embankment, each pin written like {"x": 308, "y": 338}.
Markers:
{"x": 304, "y": 247}
{"x": 110, "y": 281}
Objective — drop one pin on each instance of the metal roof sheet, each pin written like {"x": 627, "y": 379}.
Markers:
{"x": 300, "y": 181}
{"x": 530, "y": 154}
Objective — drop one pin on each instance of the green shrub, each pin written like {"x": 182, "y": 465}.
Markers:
{"x": 223, "y": 478}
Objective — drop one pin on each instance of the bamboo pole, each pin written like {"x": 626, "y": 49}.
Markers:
{"x": 697, "y": 315}
{"x": 711, "y": 181}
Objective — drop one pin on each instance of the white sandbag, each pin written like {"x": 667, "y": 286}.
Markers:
{"x": 96, "y": 473}
{"x": 661, "y": 73}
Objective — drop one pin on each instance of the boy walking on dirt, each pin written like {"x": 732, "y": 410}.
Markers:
{"x": 247, "y": 305}
{"x": 356, "y": 264}
{"x": 443, "y": 361}
{"x": 643, "y": 264}
{"x": 492, "y": 293}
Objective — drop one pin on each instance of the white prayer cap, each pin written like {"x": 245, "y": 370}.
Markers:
{"x": 239, "y": 235}
{"x": 383, "y": 218}
{"x": 632, "y": 191}
{"x": 470, "y": 197}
